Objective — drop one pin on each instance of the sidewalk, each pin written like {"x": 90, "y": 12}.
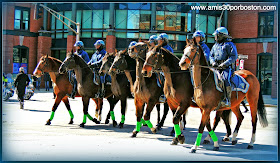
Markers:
{"x": 268, "y": 101}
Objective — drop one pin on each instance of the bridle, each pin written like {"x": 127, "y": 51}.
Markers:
{"x": 46, "y": 64}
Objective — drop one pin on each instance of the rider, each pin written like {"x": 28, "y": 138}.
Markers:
{"x": 199, "y": 38}
{"x": 223, "y": 55}
{"x": 79, "y": 45}
{"x": 96, "y": 61}
{"x": 163, "y": 38}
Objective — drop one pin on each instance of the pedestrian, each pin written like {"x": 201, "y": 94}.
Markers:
{"x": 47, "y": 81}
{"x": 38, "y": 83}
{"x": 34, "y": 80}
{"x": 21, "y": 81}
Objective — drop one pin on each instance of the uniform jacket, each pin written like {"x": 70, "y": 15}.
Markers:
{"x": 21, "y": 82}
{"x": 84, "y": 55}
{"x": 206, "y": 50}
{"x": 97, "y": 57}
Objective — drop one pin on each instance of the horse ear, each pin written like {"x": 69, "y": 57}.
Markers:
{"x": 125, "y": 50}
{"x": 116, "y": 51}
{"x": 140, "y": 39}
{"x": 187, "y": 41}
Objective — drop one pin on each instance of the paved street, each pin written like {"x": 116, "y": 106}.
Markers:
{"x": 25, "y": 137}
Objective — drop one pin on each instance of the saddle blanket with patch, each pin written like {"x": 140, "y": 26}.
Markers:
{"x": 238, "y": 83}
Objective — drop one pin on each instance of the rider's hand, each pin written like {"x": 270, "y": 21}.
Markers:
{"x": 222, "y": 66}
{"x": 215, "y": 64}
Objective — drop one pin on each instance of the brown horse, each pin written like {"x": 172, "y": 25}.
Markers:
{"x": 61, "y": 87}
{"x": 124, "y": 65}
{"x": 119, "y": 86}
{"x": 178, "y": 88}
{"x": 208, "y": 98}
{"x": 85, "y": 85}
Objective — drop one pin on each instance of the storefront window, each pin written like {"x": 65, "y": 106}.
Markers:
{"x": 133, "y": 19}
{"x": 145, "y": 19}
{"x": 160, "y": 20}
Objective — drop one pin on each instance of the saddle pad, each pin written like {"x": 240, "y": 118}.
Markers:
{"x": 238, "y": 83}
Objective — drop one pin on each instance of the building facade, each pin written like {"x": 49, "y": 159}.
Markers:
{"x": 25, "y": 40}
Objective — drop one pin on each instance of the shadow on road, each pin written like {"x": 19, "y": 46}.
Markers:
{"x": 36, "y": 110}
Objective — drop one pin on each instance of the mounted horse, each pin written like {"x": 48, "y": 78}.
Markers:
{"x": 85, "y": 85}
{"x": 178, "y": 88}
{"x": 124, "y": 65}
{"x": 62, "y": 86}
{"x": 208, "y": 97}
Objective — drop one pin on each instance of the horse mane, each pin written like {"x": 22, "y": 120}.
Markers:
{"x": 170, "y": 59}
{"x": 55, "y": 60}
{"x": 131, "y": 63}
{"x": 80, "y": 61}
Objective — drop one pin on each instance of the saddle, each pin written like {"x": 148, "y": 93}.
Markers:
{"x": 238, "y": 83}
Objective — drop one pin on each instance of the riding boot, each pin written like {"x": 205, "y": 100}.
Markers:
{"x": 102, "y": 93}
{"x": 224, "y": 102}
{"x": 73, "y": 94}
{"x": 228, "y": 88}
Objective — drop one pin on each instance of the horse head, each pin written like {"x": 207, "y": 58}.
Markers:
{"x": 42, "y": 66}
{"x": 120, "y": 62}
{"x": 138, "y": 51}
{"x": 69, "y": 63}
{"x": 191, "y": 55}
{"x": 107, "y": 61}
{"x": 154, "y": 60}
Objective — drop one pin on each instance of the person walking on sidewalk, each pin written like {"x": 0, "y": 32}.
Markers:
{"x": 21, "y": 81}
{"x": 47, "y": 79}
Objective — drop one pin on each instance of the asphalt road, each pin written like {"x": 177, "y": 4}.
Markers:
{"x": 25, "y": 137}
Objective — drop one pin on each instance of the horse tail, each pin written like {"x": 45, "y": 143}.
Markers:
{"x": 262, "y": 111}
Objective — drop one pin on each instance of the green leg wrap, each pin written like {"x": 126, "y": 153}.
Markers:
{"x": 150, "y": 125}
{"x": 112, "y": 115}
{"x": 85, "y": 118}
{"x": 138, "y": 126}
{"x": 177, "y": 130}
{"x": 52, "y": 115}
{"x": 198, "y": 139}
{"x": 123, "y": 119}
{"x": 142, "y": 121}
{"x": 71, "y": 114}
{"x": 213, "y": 136}
{"x": 89, "y": 117}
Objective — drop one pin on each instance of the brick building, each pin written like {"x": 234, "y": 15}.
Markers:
{"x": 26, "y": 39}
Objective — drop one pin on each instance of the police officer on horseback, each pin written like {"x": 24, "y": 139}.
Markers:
{"x": 199, "y": 38}
{"x": 163, "y": 39}
{"x": 153, "y": 40}
{"x": 79, "y": 45}
{"x": 223, "y": 56}
{"x": 96, "y": 62}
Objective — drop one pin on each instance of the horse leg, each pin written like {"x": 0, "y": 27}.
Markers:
{"x": 172, "y": 133}
{"x": 123, "y": 110}
{"x": 139, "y": 113}
{"x": 226, "y": 116}
{"x": 100, "y": 105}
{"x": 147, "y": 115}
{"x": 158, "y": 113}
{"x": 56, "y": 103}
{"x": 66, "y": 102}
{"x": 240, "y": 118}
{"x": 85, "y": 110}
{"x": 204, "y": 119}
{"x": 179, "y": 137}
{"x": 165, "y": 112}
{"x": 184, "y": 121}
{"x": 253, "y": 107}
{"x": 112, "y": 101}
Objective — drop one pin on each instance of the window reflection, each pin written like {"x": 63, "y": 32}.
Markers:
{"x": 133, "y": 19}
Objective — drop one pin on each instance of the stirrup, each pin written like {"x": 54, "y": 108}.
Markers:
{"x": 162, "y": 99}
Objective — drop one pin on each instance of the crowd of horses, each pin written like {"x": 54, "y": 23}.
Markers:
{"x": 134, "y": 74}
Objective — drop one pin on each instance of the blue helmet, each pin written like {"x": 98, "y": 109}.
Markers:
{"x": 132, "y": 43}
{"x": 163, "y": 36}
{"x": 79, "y": 43}
{"x": 99, "y": 42}
{"x": 153, "y": 38}
{"x": 221, "y": 30}
{"x": 199, "y": 33}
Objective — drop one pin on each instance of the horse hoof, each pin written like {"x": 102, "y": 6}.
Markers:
{"x": 95, "y": 121}
{"x": 71, "y": 122}
{"x": 216, "y": 149}
{"x": 181, "y": 139}
{"x": 134, "y": 133}
{"x": 234, "y": 142}
{"x": 174, "y": 141}
{"x": 121, "y": 125}
{"x": 250, "y": 147}
{"x": 226, "y": 139}
{"x": 115, "y": 123}
{"x": 154, "y": 130}
{"x": 107, "y": 121}
{"x": 193, "y": 151}
{"x": 48, "y": 122}
{"x": 82, "y": 125}
{"x": 206, "y": 142}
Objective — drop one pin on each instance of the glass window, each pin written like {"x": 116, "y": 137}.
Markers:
{"x": 189, "y": 22}
{"x": 58, "y": 35}
{"x": 121, "y": 19}
{"x": 97, "y": 34}
{"x": 120, "y": 34}
{"x": 21, "y": 19}
{"x": 178, "y": 22}
{"x": 171, "y": 37}
{"x": 146, "y": 6}
{"x": 171, "y": 7}
{"x": 133, "y": 19}
{"x": 211, "y": 24}
{"x": 201, "y": 22}
{"x": 160, "y": 20}
{"x": 87, "y": 19}
{"x": 17, "y": 14}
{"x": 144, "y": 35}
{"x": 134, "y": 6}
{"x": 79, "y": 16}
{"x": 68, "y": 14}
{"x": 122, "y": 6}
{"x": 145, "y": 19}
{"x": 17, "y": 24}
{"x": 170, "y": 21}
{"x": 106, "y": 19}
{"x": 266, "y": 23}
{"x": 53, "y": 23}
{"x": 105, "y": 34}
{"x": 97, "y": 19}
{"x": 59, "y": 24}
{"x": 181, "y": 37}
{"x": 132, "y": 35}
{"x": 25, "y": 15}
{"x": 210, "y": 39}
